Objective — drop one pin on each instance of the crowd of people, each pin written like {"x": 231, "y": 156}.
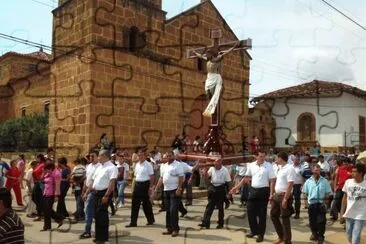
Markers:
{"x": 285, "y": 181}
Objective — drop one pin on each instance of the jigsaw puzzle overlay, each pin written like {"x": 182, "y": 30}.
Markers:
{"x": 120, "y": 68}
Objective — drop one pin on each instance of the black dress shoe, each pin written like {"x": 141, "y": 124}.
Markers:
{"x": 219, "y": 226}
{"x": 183, "y": 214}
{"x": 150, "y": 223}
{"x": 227, "y": 205}
{"x": 85, "y": 235}
{"x": 204, "y": 226}
{"x": 250, "y": 235}
{"x": 131, "y": 225}
{"x": 259, "y": 238}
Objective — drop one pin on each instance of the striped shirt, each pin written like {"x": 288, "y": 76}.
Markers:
{"x": 11, "y": 228}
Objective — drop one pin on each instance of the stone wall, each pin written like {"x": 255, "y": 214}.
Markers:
{"x": 28, "y": 87}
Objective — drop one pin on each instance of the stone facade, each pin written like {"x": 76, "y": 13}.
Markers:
{"x": 122, "y": 70}
{"x": 262, "y": 124}
{"x": 24, "y": 79}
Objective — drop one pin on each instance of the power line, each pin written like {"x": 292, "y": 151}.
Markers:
{"x": 344, "y": 15}
{"x": 347, "y": 10}
{"x": 274, "y": 73}
{"x": 312, "y": 10}
{"x": 45, "y": 4}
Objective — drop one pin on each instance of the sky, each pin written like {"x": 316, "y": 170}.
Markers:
{"x": 294, "y": 41}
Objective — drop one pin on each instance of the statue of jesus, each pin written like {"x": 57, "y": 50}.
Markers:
{"x": 213, "y": 82}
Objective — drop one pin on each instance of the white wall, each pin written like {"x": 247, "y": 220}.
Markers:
{"x": 347, "y": 106}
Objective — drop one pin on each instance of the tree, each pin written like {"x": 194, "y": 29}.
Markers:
{"x": 25, "y": 133}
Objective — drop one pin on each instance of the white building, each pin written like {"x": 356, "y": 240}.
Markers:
{"x": 329, "y": 113}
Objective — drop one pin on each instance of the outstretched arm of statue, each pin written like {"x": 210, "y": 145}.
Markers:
{"x": 198, "y": 55}
{"x": 223, "y": 53}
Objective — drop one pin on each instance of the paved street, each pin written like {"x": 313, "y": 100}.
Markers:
{"x": 234, "y": 232}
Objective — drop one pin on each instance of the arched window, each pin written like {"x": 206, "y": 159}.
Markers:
{"x": 306, "y": 127}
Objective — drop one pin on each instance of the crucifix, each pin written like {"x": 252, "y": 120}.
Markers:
{"x": 213, "y": 84}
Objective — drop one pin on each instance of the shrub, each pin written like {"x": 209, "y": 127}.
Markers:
{"x": 25, "y": 133}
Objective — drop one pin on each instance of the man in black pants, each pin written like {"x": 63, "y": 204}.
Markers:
{"x": 317, "y": 190}
{"x": 102, "y": 185}
{"x": 219, "y": 177}
{"x": 298, "y": 181}
{"x": 260, "y": 192}
{"x": 172, "y": 175}
{"x": 144, "y": 187}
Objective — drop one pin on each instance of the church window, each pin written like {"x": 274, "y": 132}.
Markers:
{"x": 32, "y": 68}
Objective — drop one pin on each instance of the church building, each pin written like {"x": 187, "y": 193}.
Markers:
{"x": 121, "y": 68}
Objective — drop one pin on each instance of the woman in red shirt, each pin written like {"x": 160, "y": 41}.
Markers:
{"x": 37, "y": 195}
{"x": 13, "y": 181}
{"x": 342, "y": 173}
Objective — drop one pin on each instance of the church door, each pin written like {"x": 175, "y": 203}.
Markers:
{"x": 306, "y": 128}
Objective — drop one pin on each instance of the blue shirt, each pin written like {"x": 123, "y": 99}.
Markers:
{"x": 316, "y": 191}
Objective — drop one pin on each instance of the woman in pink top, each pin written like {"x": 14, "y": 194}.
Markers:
{"x": 51, "y": 192}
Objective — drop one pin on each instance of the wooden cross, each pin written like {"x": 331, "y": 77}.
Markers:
{"x": 216, "y": 35}
{"x": 213, "y": 143}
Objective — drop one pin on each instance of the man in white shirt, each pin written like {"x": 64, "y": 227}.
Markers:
{"x": 103, "y": 183}
{"x": 324, "y": 165}
{"x": 144, "y": 186}
{"x": 172, "y": 176}
{"x": 281, "y": 204}
{"x": 89, "y": 198}
{"x": 298, "y": 181}
{"x": 353, "y": 204}
{"x": 262, "y": 179}
{"x": 219, "y": 178}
